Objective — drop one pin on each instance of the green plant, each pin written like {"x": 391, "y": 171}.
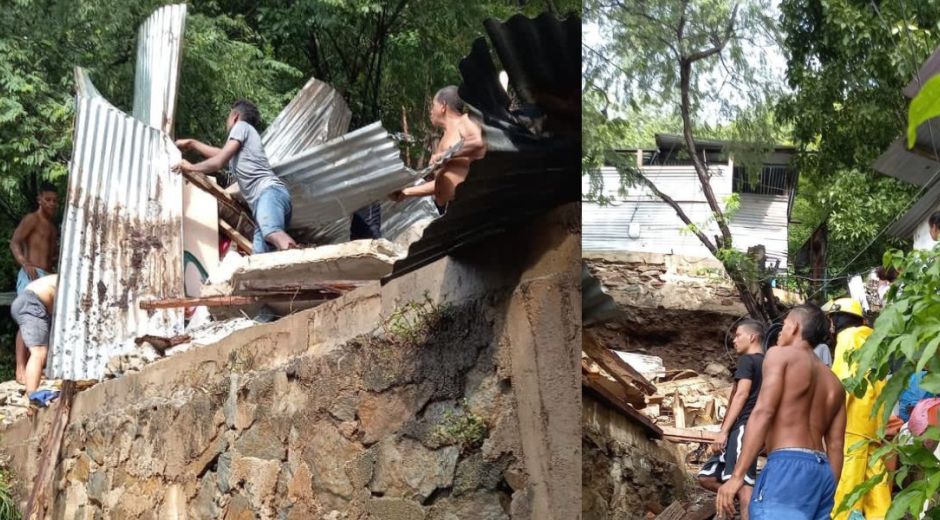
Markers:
{"x": 8, "y": 510}
{"x": 905, "y": 340}
{"x": 412, "y": 322}
{"x": 463, "y": 428}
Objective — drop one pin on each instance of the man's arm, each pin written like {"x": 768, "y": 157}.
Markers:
{"x": 212, "y": 165}
{"x": 742, "y": 388}
{"x": 771, "y": 392}
{"x": 421, "y": 190}
{"x": 835, "y": 440}
{"x": 18, "y": 244}
{"x": 204, "y": 149}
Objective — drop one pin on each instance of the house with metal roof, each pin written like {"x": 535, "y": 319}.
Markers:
{"x": 636, "y": 220}
{"x": 918, "y": 165}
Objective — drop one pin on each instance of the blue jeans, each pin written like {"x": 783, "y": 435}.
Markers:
{"x": 22, "y": 279}
{"x": 272, "y": 213}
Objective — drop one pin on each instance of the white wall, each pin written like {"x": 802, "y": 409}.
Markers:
{"x": 638, "y": 221}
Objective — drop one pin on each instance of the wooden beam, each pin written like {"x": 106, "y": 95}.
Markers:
{"x": 36, "y": 506}
{"x": 616, "y": 367}
{"x": 626, "y": 393}
{"x": 161, "y": 344}
{"x": 675, "y": 511}
{"x": 237, "y": 238}
{"x": 687, "y": 435}
{"x": 231, "y": 210}
{"x": 652, "y": 429}
{"x": 678, "y": 410}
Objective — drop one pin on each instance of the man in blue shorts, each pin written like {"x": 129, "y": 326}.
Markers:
{"x": 265, "y": 193}
{"x": 801, "y": 404}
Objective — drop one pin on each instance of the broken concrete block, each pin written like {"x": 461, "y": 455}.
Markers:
{"x": 356, "y": 260}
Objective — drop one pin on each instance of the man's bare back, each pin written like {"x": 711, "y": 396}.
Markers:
{"x": 809, "y": 400}
{"x": 455, "y": 170}
{"x": 801, "y": 406}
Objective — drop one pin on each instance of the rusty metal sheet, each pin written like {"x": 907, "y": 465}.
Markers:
{"x": 159, "y": 49}
{"x": 121, "y": 240}
{"x": 330, "y": 181}
{"x": 316, "y": 114}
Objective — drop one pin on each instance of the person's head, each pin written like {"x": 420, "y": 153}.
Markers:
{"x": 446, "y": 102}
{"x": 934, "y": 225}
{"x": 748, "y": 335}
{"x": 844, "y": 313}
{"x": 243, "y": 110}
{"x": 48, "y": 199}
{"x": 804, "y": 323}
{"x": 886, "y": 275}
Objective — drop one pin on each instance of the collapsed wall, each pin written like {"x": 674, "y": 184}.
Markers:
{"x": 677, "y": 308}
{"x": 625, "y": 473}
{"x": 426, "y": 398}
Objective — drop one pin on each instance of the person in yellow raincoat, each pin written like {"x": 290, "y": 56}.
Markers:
{"x": 861, "y": 426}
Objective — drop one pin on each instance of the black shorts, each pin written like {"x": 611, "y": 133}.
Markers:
{"x": 721, "y": 466}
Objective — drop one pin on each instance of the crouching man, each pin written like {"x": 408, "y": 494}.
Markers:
{"x": 32, "y": 310}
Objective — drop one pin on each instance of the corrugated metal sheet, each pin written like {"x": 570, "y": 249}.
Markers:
{"x": 524, "y": 173}
{"x": 332, "y": 180}
{"x": 121, "y": 239}
{"x": 316, "y": 114}
{"x": 159, "y": 49}
{"x": 639, "y": 221}
{"x": 399, "y": 217}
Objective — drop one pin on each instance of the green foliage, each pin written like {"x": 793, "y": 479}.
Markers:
{"x": 924, "y": 106}
{"x": 463, "y": 428}
{"x": 858, "y": 206}
{"x": 8, "y": 509}
{"x": 906, "y": 337}
{"x": 847, "y": 65}
{"x": 412, "y": 323}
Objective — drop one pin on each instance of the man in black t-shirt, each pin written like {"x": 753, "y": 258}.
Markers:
{"x": 748, "y": 338}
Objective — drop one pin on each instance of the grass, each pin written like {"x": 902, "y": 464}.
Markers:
{"x": 411, "y": 323}
{"x": 463, "y": 428}
{"x": 8, "y": 510}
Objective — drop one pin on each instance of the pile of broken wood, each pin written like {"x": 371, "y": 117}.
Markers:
{"x": 680, "y": 406}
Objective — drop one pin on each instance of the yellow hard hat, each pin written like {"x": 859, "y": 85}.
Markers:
{"x": 844, "y": 305}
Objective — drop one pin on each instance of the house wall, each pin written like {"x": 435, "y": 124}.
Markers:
{"x": 638, "y": 221}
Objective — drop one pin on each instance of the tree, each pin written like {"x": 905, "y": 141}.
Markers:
{"x": 847, "y": 65}
{"x": 670, "y": 52}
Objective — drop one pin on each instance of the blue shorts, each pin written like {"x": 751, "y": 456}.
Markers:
{"x": 796, "y": 484}
{"x": 272, "y": 213}
{"x": 22, "y": 279}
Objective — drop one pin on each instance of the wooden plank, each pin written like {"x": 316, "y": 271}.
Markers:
{"x": 627, "y": 394}
{"x": 678, "y": 410}
{"x": 616, "y": 367}
{"x": 675, "y": 511}
{"x": 705, "y": 511}
{"x": 242, "y": 243}
{"x": 688, "y": 435}
{"x": 652, "y": 429}
{"x": 231, "y": 210}
{"x": 161, "y": 344}
{"x": 36, "y": 505}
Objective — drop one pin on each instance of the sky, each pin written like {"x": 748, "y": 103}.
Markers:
{"x": 712, "y": 113}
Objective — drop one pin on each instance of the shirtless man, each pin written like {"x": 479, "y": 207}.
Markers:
{"x": 35, "y": 248}
{"x": 448, "y": 112}
{"x": 32, "y": 310}
{"x": 800, "y": 415}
